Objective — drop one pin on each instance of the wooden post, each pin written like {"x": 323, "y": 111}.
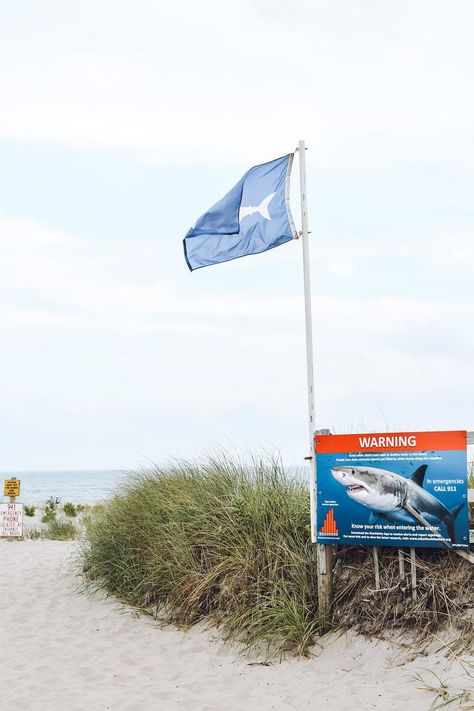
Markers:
{"x": 13, "y": 498}
{"x": 375, "y": 554}
{"x": 12, "y": 501}
{"x": 413, "y": 574}
{"x": 324, "y": 553}
{"x": 401, "y": 563}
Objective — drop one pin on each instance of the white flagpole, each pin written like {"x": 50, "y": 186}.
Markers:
{"x": 324, "y": 552}
{"x": 309, "y": 336}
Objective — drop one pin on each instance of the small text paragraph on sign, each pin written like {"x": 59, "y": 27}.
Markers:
{"x": 11, "y": 487}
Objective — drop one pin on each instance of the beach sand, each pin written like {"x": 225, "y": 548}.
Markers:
{"x": 66, "y": 650}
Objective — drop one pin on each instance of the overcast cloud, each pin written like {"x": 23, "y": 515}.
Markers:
{"x": 122, "y": 122}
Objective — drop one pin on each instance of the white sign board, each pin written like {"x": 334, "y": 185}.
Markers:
{"x": 11, "y": 520}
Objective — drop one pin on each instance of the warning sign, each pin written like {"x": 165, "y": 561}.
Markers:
{"x": 11, "y": 520}
{"x": 11, "y": 487}
{"x": 393, "y": 489}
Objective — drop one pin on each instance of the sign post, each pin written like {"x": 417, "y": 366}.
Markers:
{"x": 11, "y": 514}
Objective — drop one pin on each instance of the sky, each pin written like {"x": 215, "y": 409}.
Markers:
{"x": 122, "y": 122}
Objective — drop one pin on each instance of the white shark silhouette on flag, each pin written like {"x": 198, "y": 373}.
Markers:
{"x": 262, "y": 209}
{"x": 252, "y": 217}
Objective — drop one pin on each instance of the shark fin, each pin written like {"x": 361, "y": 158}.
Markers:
{"x": 457, "y": 509}
{"x": 419, "y": 517}
{"x": 419, "y": 474}
{"x": 263, "y": 207}
{"x": 449, "y": 521}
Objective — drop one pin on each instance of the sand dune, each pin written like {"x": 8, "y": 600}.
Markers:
{"x": 61, "y": 649}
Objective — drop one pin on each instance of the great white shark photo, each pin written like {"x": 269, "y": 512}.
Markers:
{"x": 397, "y": 498}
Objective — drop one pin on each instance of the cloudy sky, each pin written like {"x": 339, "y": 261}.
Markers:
{"x": 122, "y": 122}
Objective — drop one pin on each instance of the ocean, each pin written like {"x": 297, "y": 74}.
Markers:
{"x": 79, "y": 486}
{"x": 74, "y": 486}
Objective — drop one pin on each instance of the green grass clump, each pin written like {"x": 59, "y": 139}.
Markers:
{"x": 48, "y": 516}
{"x": 219, "y": 541}
{"x": 55, "y": 531}
{"x": 29, "y": 510}
{"x": 60, "y": 530}
{"x": 34, "y": 534}
{"x": 70, "y": 510}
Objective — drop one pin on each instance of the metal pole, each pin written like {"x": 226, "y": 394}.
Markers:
{"x": 309, "y": 337}
{"x": 324, "y": 552}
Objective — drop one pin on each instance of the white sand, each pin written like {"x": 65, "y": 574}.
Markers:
{"x": 64, "y": 650}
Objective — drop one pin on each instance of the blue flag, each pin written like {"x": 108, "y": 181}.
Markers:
{"x": 254, "y": 216}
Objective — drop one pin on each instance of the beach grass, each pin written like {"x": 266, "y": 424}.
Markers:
{"x": 219, "y": 540}
{"x": 54, "y": 530}
{"x": 48, "y": 516}
{"x": 70, "y": 509}
{"x": 228, "y": 543}
{"x": 60, "y": 530}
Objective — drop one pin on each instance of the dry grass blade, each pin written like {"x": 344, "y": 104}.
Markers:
{"x": 444, "y": 696}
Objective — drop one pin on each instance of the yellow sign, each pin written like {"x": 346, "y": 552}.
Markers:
{"x": 11, "y": 487}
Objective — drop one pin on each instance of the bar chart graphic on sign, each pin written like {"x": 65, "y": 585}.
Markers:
{"x": 329, "y": 526}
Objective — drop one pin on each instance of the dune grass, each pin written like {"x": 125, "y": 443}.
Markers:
{"x": 60, "y": 530}
{"x": 54, "y": 531}
{"x": 70, "y": 510}
{"x": 444, "y": 594}
{"x": 217, "y": 540}
{"x": 229, "y": 544}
